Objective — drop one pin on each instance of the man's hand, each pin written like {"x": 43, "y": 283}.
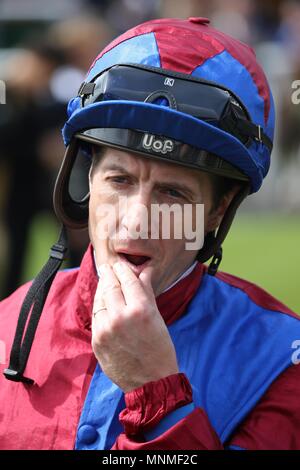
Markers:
{"x": 129, "y": 337}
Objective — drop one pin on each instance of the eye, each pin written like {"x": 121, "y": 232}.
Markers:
{"x": 173, "y": 193}
{"x": 119, "y": 179}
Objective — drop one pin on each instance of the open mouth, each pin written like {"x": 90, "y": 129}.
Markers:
{"x": 137, "y": 260}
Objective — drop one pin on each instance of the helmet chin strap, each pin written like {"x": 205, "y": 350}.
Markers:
{"x": 213, "y": 241}
{"x": 31, "y": 311}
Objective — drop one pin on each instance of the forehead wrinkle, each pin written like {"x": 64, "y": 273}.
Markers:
{"x": 119, "y": 160}
{"x": 131, "y": 164}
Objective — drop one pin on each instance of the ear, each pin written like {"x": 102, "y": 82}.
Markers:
{"x": 216, "y": 214}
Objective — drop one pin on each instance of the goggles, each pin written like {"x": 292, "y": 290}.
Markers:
{"x": 200, "y": 98}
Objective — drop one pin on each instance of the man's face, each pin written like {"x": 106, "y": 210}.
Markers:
{"x": 128, "y": 185}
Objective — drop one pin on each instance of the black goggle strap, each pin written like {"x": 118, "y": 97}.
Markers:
{"x": 249, "y": 129}
{"x": 31, "y": 311}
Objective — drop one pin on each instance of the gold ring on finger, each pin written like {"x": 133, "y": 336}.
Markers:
{"x": 99, "y": 310}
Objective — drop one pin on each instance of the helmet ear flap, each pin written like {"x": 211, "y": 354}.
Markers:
{"x": 72, "y": 213}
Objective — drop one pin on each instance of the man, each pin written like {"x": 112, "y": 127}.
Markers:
{"x": 173, "y": 112}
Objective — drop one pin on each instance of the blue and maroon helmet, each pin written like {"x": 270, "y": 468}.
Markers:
{"x": 176, "y": 90}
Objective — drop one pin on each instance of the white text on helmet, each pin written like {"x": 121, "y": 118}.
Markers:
{"x": 157, "y": 145}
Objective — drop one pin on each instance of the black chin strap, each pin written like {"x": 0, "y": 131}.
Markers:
{"x": 215, "y": 262}
{"x": 32, "y": 308}
{"x": 213, "y": 241}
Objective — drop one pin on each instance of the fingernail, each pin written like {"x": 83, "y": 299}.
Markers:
{"x": 119, "y": 267}
{"x": 103, "y": 268}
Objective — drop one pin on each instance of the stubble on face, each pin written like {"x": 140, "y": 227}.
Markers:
{"x": 118, "y": 173}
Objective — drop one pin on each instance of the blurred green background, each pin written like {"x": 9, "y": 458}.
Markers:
{"x": 262, "y": 248}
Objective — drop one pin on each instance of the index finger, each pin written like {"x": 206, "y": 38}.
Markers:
{"x": 131, "y": 286}
{"x": 110, "y": 288}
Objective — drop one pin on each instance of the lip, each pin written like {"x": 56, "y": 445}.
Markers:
{"x": 137, "y": 269}
{"x": 133, "y": 252}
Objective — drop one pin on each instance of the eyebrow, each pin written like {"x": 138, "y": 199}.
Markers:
{"x": 114, "y": 166}
{"x": 163, "y": 184}
{"x": 178, "y": 186}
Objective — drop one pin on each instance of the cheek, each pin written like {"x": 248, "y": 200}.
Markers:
{"x": 92, "y": 205}
{"x": 175, "y": 261}
{"x": 173, "y": 251}
{"x": 208, "y": 213}
{"x": 95, "y": 203}
{"x": 103, "y": 216}
{"x": 92, "y": 220}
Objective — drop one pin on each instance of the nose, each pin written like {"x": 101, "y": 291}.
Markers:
{"x": 136, "y": 219}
